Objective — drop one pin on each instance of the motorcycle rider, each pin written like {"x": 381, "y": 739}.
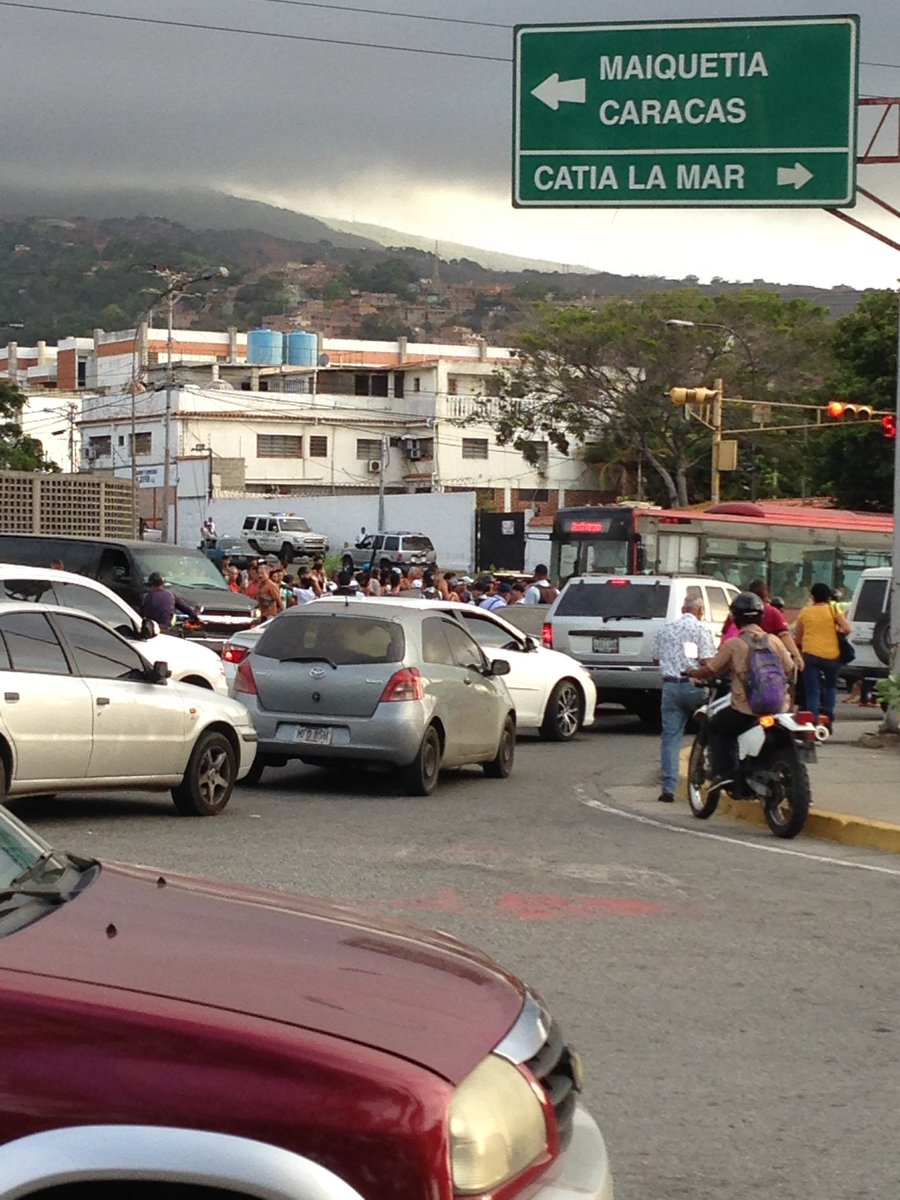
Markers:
{"x": 732, "y": 659}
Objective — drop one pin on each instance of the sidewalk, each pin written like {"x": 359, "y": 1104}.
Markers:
{"x": 855, "y": 788}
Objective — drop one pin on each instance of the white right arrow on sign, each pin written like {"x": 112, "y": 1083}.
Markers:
{"x": 555, "y": 90}
{"x": 796, "y": 175}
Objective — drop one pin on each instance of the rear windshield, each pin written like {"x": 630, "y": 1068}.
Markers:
{"x": 872, "y": 600}
{"x": 341, "y": 640}
{"x": 417, "y": 543}
{"x": 635, "y": 600}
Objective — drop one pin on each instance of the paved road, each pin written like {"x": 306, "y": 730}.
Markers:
{"x": 735, "y": 997}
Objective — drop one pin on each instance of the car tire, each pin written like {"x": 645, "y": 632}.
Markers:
{"x": 385, "y": 564}
{"x": 564, "y": 712}
{"x": 501, "y": 765}
{"x": 254, "y": 775}
{"x": 648, "y": 710}
{"x": 421, "y": 776}
{"x": 881, "y": 640}
{"x": 287, "y": 553}
{"x": 209, "y": 779}
{"x": 347, "y": 562}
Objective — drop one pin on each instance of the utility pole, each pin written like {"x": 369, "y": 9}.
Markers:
{"x": 714, "y": 486}
{"x": 382, "y": 464}
{"x": 891, "y": 718}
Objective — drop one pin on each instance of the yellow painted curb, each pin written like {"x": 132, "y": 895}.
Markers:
{"x": 827, "y": 826}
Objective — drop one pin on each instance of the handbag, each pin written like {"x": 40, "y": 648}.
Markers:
{"x": 846, "y": 652}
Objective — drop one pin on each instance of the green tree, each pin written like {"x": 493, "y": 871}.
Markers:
{"x": 600, "y": 377}
{"x": 18, "y": 451}
{"x": 856, "y": 464}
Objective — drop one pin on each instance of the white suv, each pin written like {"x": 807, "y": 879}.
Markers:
{"x": 609, "y": 623}
{"x": 287, "y": 536}
{"x": 869, "y": 614}
{"x": 188, "y": 661}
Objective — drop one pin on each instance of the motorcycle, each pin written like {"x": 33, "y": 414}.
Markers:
{"x": 772, "y": 757}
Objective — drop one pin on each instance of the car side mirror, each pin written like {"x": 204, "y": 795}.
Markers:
{"x": 149, "y": 629}
{"x": 160, "y": 672}
{"x": 530, "y": 643}
{"x": 499, "y": 666}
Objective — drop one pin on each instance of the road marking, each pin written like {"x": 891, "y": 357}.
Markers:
{"x": 721, "y": 837}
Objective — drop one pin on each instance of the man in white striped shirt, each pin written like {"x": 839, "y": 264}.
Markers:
{"x": 680, "y": 646}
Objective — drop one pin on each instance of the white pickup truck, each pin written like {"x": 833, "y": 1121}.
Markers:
{"x": 283, "y": 534}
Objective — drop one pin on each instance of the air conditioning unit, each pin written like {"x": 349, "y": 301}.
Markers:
{"x": 414, "y": 453}
{"x": 374, "y": 466}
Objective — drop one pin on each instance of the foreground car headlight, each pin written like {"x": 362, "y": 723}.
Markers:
{"x": 497, "y": 1127}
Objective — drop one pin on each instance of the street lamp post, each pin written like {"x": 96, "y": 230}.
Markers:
{"x": 177, "y": 282}
{"x": 207, "y": 450}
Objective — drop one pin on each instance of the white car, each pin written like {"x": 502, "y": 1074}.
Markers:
{"x": 188, "y": 661}
{"x": 84, "y": 711}
{"x": 551, "y": 691}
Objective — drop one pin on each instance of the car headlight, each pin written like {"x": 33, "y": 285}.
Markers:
{"x": 255, "y": 614}
{"x": 497, "y": 1127}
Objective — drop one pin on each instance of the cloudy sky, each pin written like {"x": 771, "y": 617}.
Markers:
{"x": 415, "y": 135}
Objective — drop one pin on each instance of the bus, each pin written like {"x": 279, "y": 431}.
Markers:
{"x": 791, "y": 546}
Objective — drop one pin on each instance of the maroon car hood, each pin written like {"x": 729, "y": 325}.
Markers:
{"x": 303, "y": 962}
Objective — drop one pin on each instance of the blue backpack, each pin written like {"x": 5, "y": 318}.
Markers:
{"x": 766, "y": 683}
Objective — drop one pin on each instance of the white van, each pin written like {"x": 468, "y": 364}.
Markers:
{"x": 869, "y": 614}
{"x": 188, "y": 661}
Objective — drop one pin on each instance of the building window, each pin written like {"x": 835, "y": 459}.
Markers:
{"x": 474, "y": 447}
{"x": 539, "y": 456}
{"x": 100, "y": 447}
{"x": 142, "y": 443}
{"x": 417, "y": 384}
{"x": 278, "y": 445}
{"x": 368, "y": 448}
{"x": 492, "y": 387}
{"x": 318, "y": 445}
{"x": 398, "y": 385}
{"x": 452, "y": 386}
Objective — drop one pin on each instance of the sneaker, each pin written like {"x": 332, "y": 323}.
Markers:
{"x": 666, "y": 798}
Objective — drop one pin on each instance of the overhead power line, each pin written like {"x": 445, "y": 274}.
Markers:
{"x": 257, "y": 33}
{"x": 302, "y": 37}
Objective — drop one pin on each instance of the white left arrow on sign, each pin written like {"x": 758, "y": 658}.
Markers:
{"x": 553, "y": 91}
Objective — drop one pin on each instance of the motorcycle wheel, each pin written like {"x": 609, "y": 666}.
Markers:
{"x": 787, "y": 805}
{"x": 699, "y": 774}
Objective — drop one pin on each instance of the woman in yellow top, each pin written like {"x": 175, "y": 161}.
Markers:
{"x": 816, "y": 636}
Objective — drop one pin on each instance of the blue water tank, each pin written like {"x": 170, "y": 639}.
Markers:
{"x": 301, "y": 349}
{"x": 265, "y": 348}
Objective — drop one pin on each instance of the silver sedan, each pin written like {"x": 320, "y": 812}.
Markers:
{"x": 379, "y": 685}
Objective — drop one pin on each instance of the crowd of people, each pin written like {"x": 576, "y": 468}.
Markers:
{"x": 274, "y": 587}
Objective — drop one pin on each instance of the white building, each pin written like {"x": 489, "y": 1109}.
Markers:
{"x": 366, "y": 417}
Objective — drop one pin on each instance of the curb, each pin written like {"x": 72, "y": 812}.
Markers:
{"x": 825, "y": 826}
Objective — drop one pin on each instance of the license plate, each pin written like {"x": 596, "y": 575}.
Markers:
{"x": 313, "y": 735}
{"x": 605, "y": 645}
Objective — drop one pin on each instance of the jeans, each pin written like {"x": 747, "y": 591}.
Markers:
{"x": 723, "y": 730}
{"x": 820, "y": 677}
{"x": 679, "y": 702}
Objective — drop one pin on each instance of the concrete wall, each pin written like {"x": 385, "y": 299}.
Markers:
{"x": 448, "y": 518}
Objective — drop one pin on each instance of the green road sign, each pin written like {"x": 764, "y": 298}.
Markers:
{"x": 731, "y": 113}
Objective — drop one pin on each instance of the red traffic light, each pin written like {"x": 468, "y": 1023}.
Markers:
{"x": 889, "y": 425}
{"x": 840, "y": 410}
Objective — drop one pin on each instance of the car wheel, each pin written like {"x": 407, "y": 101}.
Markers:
{"x": 564, "y": 712}
{"x": 421, "y": 776}
{"x": 287, "y": 553}
{"x": 881, "y": 640}
{"x": 347, "y": 562}
{"x": 385, "y": 564}
{"x": 501, "y": 764}
{"x": 254, "y": 775}
{"x": 209, "y": 778}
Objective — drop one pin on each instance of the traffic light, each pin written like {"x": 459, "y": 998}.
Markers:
{"x": 690, "y": 396}
{"x": 889, "y": 425}
{"x": 840, "y": 410}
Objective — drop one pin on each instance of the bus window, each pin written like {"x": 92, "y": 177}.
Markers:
{"x": 678, "y": 552}
{"x": 852, "y": 563}
{"x": 735, "y": 561}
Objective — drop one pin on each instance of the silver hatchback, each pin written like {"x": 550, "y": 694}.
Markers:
{"x": 376, "y": 684}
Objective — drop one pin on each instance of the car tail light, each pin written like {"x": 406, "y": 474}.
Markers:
{"x": 235, "y": 654}
{"x": 244, "y": 680}
{"x": 619, "y": 582}
{"x": 402, "y": 685}
{"x": 547, "y": 635}
{"x": 804, "y": 717}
